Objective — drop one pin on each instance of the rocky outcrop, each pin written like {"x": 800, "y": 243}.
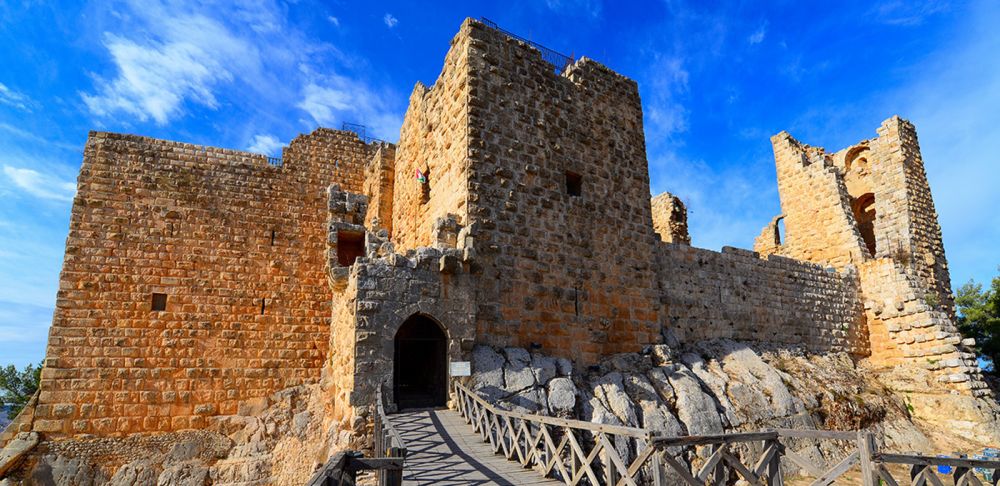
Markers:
{"x": 274, "y": 440}
{"x": 712, "y": 387}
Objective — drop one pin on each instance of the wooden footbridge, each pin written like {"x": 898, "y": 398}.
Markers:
{"x": 479, "y": 444}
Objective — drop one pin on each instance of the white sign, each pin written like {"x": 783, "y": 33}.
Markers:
{"x": 461, "y": 368}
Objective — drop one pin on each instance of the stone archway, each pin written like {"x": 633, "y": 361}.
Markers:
{"x": 420, "y": 363}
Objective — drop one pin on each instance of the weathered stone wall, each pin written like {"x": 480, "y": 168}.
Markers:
{"x": 921, "y": 237}
{"x": 376, "y": 294}
{"x": 236, "y": 245}
{"x": 434, "y": 140}
{"x": 380, "y": 175}
{"x": 571, "y": 273}
{"x": 816, "y": 205}
{"x": 670, "y": 219}
{"x": 905, "y": 330}
{"x": 737, "y": 295}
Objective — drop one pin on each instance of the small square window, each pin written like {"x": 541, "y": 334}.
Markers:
{"x": 574, "y": 184}
{"x": 350, "y": 246}
{"x": 159, "y": 302}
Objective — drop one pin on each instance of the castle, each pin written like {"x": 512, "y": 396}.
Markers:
{"x": 515, "y": 210}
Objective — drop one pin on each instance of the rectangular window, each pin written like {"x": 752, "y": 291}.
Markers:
{"x": 574, "y": 184}
{"x": 350, "y": 246}
{"x": 159, "y": 302}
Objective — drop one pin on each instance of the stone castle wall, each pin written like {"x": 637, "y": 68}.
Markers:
{"x": 814, "y": 201}
{"x": 534, "y": 228}
{"x": 380, "y": 179}
{"x": 736, "y": 294}
{"x": 906, "y": 330}
{"x": 670, "y": 219}
{"x": 238, "y": 248}
{"x": 434, "y": 140}
{"x": 559, "y": 202}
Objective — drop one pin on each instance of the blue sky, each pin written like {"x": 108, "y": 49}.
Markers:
{"x": 716, "y": 79}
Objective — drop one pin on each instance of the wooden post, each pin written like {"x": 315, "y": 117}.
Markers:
{"x": 719, "y": 476}
{"x": 866, "y": 449}
{"x": 658, "y": 479}
{"x": 394, "y": 477}
{"x": 915, "y": 472}
{"x": 774, "y": 477}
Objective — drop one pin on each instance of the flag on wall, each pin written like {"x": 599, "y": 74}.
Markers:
{"x": 421, "y": 177}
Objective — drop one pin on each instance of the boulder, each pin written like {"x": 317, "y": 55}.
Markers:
{"x": 562, "y": 396}
{"x": 20, "y": 445}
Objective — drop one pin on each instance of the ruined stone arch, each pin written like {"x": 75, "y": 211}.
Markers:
{"x": 857, "y": 158}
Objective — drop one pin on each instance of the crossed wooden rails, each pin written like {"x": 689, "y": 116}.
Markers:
{"x": 578, "y": 452}
{"x": 389, "y": 452}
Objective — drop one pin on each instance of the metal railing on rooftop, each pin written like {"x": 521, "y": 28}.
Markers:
{"x": 558, "y": 60}
{"x": 361, "y": 131}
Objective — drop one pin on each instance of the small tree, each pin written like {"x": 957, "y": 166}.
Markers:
{"x": 17, "y": 387}
{"x": 979, "y": 318}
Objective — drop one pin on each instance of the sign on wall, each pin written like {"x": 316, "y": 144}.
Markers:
{"x": 461, "y": 368}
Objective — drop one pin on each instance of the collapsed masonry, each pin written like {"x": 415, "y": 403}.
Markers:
{"x": 514, "y": 211}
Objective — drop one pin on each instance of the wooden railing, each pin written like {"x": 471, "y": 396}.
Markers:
{"x": 387, "y": 443}
{"x": 578, "y": 452}
{"x": 388, "y": 456}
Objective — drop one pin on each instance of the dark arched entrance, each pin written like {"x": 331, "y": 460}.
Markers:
{"x": 420, "y": 376}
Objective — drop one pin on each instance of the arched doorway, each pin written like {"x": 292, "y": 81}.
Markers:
{"x": 420, "y": 375}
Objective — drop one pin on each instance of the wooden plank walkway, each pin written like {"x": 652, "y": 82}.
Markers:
{"x": 443, "y": 450}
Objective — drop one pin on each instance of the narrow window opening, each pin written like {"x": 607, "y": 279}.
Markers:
{"x": 779, "y": 231}
{"x": 864, "y": 214}
{"x": 350, "y": 246}
{"x": 262, "y": 305}
{"x": 159, "y": 302}
{"x": 574, "y": 184}
{"x": 273, "y": 234}
{"x": 424, "y": 178}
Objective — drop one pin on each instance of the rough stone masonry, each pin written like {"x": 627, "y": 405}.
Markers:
{"x": 206, "y": 289}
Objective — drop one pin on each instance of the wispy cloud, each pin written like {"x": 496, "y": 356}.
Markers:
{"x": 214, "y": 57}
{"x": 10, "y": 97}
{"x": 590, "y": 8}
{"x": 907, "y": 13}
{"x": 665, "y": 112}
{"x": 40, "y": 185}
{"x": 390, "y": 20}
{"x": 265, "y": 144}
{"x": 161, "y": 65}
{"x": 758, "y": 35}
{"x": 329, "y": 99}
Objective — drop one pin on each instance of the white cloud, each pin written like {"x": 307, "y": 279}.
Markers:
{"x": 332, "y": 99}
{"x": 214, "y": 56}
{"x": 390, "y": 21}
{"x": 40, "y": 185}
{"x": 758, "y": 35}
{"x": 12, "y": 98}
{"x": 665, "y": 112}
{"x": 265, "y": 144}
{"x": 161, "y": 65}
